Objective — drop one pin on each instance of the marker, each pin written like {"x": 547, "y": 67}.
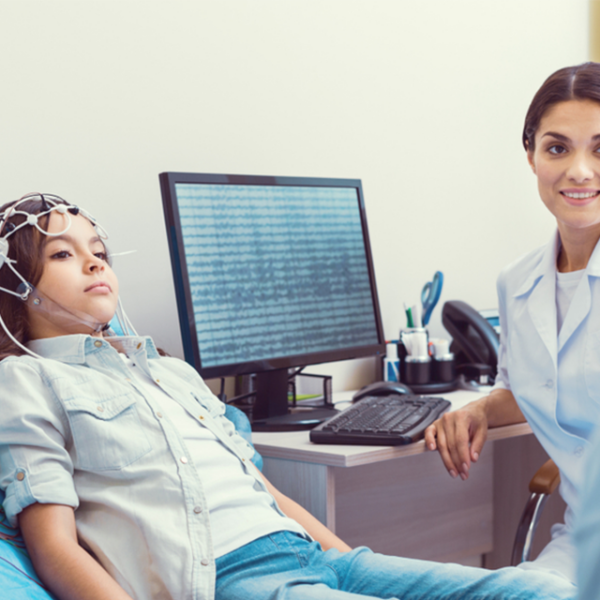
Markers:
{"x": 409, "y": 318}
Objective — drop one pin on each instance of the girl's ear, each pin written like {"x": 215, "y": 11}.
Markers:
{"x": 530, "y": 157}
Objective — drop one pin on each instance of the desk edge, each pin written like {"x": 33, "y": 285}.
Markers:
{"x": 371, "y": 454}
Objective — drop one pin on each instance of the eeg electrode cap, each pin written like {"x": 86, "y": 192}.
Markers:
{"x": 3, "y": 251}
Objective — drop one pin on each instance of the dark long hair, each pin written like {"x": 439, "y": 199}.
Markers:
{"x": 26, "y": 247}
{"x": 581, "y": 82}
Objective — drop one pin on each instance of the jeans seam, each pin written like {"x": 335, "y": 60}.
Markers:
{"x": 274, "y": 541}
{"x": 337, "y": 576}
{"x": 301, "y": 562}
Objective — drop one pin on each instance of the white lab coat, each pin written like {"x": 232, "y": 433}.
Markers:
{"x": 587, "y": 528}
{"x": 555, "y": 378}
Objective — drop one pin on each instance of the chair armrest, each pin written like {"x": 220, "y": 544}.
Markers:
{"x": 543, "y": 483}
{"x": 546, "y": 480}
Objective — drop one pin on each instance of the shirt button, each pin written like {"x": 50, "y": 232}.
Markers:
{"x": 578, "y": 451}
{"x": 139, "y": 345}
{"x": 100, "y": 408}
{"x": 201, "y": 417}
{"x": 549, "y": 384}
{"x": 183, "y": 459}
{"x": 20, "y": 476}
{"x": 158, "y": 381}
{"x": 197, "y": 509}
{"x": 159, "y": 415}
{"x": 98, "y": 343}
{"x": 127, "y": 379}
{"x": 205, "y": 562}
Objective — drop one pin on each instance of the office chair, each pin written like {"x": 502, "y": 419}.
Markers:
{"x": 543, "y": 483}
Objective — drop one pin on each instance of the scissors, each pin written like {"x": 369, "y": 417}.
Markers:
{"x": 430, "y": 295}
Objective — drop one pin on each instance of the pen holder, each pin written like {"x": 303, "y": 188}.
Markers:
{"x": 417, "y": 370}
{"x": 415, "y": 340}
{"x": 444, "y": 368}
{"x": 416, "y": 363}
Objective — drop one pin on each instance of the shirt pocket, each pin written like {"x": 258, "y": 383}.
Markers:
{"x": 108, "y": 435}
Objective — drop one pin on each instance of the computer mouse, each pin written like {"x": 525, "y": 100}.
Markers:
{"x": 381, "y": 388}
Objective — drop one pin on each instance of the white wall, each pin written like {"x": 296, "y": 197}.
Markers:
{"x": 424, "y": 101}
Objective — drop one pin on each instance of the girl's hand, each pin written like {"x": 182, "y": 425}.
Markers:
{"x": 459, "y": 437}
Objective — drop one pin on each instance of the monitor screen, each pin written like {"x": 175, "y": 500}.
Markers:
{"x": 270, "y": 272}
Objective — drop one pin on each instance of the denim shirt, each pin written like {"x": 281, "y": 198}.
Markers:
{"x": 75, "y": 430}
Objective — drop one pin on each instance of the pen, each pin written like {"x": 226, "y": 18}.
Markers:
{"x": 409, "y": 318}
{"x": 416, "y": 314}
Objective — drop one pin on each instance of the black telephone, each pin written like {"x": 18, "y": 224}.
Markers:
{"x": 475, "y": 342}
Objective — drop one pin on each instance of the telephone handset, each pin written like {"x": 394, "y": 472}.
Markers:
{"x": 475, "y": 342}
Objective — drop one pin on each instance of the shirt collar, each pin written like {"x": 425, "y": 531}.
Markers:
{"x": 75, "y": 348}
{"x": 546, "y": 265}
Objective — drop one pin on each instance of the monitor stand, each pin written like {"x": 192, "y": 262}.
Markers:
{"x": 271, "y": 410}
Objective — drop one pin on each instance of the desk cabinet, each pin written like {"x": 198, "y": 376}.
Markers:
{"x": 401, "y": 501}
{"x": 406, "y": 506}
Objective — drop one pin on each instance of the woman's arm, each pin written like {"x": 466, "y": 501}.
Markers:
{"x": 61, "y": 563}
{"x": 460, "y": 435}
{"x": 313, "y": 526}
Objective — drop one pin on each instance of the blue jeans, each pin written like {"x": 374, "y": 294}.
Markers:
{"x": 285, "y": 566}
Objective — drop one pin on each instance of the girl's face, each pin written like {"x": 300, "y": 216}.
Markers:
{"x": 77, "y": 277}
{"x": 566, "y": 161}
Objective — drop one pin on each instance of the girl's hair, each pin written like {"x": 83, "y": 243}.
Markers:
{"x": 25, "y": 247}
{"x": 581, "y": 82}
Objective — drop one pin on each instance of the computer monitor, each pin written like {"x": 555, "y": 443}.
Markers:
{"x": 270, "y": 273}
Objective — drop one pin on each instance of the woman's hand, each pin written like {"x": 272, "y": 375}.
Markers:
{"x": 459, "y": 435}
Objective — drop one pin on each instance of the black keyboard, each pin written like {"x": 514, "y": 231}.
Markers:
{"x": 391, "y": 420}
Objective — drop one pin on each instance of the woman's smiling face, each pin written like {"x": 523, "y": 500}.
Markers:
{"x": 566, "y": 161}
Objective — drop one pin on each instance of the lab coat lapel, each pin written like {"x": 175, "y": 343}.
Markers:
{"x": 542, "y": 310}
{"x": 541, "y": 303}
{"x": 582, "y": 300}
{"x": 578, "y": 311}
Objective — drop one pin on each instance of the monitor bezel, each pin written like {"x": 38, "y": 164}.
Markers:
{"x": 168, "y": 181}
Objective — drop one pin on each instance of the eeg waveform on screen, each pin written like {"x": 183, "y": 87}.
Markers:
{"x": 275, "y": 271}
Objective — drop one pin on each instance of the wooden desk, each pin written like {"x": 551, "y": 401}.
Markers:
{"x": 396, "y": 500}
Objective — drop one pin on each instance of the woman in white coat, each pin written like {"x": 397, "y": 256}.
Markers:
{"x": 549, "y": 302}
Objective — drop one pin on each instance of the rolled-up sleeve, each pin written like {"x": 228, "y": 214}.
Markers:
{"x": 35, "y": 465}
{"x": 502, "y": 380}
